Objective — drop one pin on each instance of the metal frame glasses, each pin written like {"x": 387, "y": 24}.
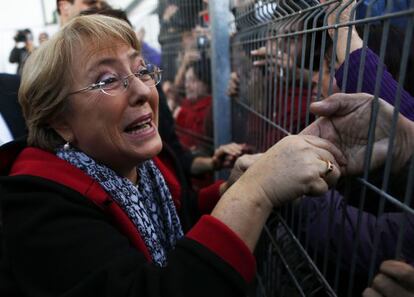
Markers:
{"x": 116, "y": 84}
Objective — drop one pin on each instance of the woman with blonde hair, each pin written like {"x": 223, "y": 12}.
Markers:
{"x": 85, "y": 209}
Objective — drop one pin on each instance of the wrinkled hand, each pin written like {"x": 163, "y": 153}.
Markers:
{"x": 233, "y": 86}
{"x": 395, "y": 279}
{"x": 345, "y": 122}
{"x": 240, "y": 166}
{"x": 225, "y": 155}
{"x": 295, "y": 166}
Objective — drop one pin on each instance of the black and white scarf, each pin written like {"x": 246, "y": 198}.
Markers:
{"x": 149, "y": 204}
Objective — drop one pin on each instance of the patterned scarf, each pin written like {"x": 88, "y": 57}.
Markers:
{"x": 149, "y": 204}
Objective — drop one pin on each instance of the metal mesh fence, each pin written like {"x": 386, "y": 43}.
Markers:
{"x": 185, "y": 44}
{"x": 286, "y": 54}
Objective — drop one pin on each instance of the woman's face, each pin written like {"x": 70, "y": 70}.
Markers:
{"x": 194, "y": 87}
{"x": 119, "y": 131}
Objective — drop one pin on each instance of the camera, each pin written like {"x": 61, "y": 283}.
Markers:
{"x": 20, "y": 36}
{"x": 202, "y": 42}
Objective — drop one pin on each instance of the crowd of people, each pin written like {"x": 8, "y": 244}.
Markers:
{"x": 97, "y": 190}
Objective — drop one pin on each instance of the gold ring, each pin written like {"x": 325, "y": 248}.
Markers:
{"x": 329, "y": 167}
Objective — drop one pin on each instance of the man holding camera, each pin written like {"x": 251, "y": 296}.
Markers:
{"x": 23, "y": 48}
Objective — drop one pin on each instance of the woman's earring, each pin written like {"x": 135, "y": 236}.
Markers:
{"x": 66, "y": 146}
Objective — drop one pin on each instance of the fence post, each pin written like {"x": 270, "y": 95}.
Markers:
{"x": 220, "y": 64}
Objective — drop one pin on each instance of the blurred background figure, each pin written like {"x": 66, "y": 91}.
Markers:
{"x": 195, "y": 114}
{"x": 43, "y": 37}
{"x": 11, "y": 119}
{"x": 67, "y": 9}
{"x": 22, "y": 49}
{"x": 149, "y": 53}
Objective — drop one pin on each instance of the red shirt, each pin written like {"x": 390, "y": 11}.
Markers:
{"x": 193, "y": 117}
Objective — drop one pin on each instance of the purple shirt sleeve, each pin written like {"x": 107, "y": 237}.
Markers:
{"x": 324, "y": 220}
{"x": 150, "y": 54}
{"x": 389, "y": 85}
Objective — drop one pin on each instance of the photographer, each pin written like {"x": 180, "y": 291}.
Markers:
{"x": 23, "y": 48}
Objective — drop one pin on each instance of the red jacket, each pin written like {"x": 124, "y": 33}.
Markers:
{"x": 209, "y": 231}
{"x": 194, "y": 118}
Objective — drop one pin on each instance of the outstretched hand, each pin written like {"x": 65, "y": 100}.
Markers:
{"x": 340, "y": 12}
{"x": 345, "y": 120}
{"x": 240, "y": 166}
{"x": 394, "y": 279}
{"x": 276, "y": 59}
{"x": 225, "y": 155}
{"x": 295, "y": 166}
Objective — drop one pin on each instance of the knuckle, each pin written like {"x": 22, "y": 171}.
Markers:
{"x": 379, "y": 281}
{"x": 406, "y": 273}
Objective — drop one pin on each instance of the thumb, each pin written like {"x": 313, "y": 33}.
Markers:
{"x": 329, "y": 106}
{"x": 339, "y": 104}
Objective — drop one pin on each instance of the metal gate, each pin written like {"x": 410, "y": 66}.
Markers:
{"x": 287, "y": 54}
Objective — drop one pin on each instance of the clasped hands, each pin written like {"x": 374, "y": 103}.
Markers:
{"x": 302, "y": 164}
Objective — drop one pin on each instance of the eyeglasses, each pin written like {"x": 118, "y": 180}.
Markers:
{"x": 115, "y": 84}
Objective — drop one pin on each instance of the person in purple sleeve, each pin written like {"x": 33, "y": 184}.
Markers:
{"x": 342, "y": 119}
{"x": 332, "y": 220}
{"x": 326, "y": 216}
{"x": 389, "y": 84}
{"x": 149, "y": 53}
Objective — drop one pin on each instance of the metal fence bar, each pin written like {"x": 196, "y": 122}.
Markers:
{"x": 220, "y": 61}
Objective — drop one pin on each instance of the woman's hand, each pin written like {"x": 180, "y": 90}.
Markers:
{"x": 241, "y": 165}
{"x": 340, "y": 12}
{"x": 295, "y": 166}
{"x": 278, "y": 60}
{"x": 395, "y": 279}
{"x": 225, "y": 155}
{"x": 345, "y": 121}
{"x": 270, "y": 55}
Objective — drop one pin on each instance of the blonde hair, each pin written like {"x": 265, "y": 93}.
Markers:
{"x": 47, "y": 75}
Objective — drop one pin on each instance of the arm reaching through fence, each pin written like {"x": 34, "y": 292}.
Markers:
{"x": 350, "y": 51}
{"x": 341, "y": 13}
{"x": 295, "y": 166}
{"x": 224, "y": 157}
{"x": 345, "y": 121}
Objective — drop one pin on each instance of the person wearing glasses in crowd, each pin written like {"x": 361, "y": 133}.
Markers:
{"x": 85, "y": 210}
